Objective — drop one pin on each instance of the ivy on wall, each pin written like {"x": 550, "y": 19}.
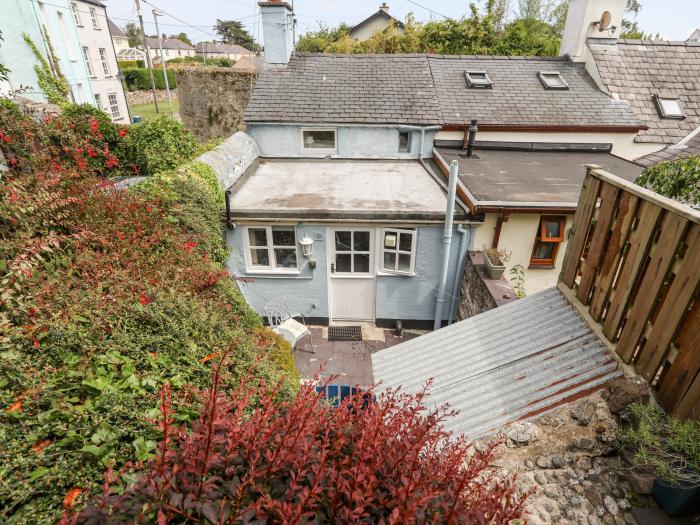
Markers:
{"x": 49, "y": 75}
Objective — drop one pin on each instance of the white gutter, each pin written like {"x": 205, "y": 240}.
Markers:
{"x": 446, "y": 242}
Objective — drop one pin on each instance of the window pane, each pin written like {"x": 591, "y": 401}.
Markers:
{"x": 259, "y": 257}
{"x": 390, "y": 240}
{"x": 283, "y": 237}
{"x": 320, "y": 139}
{"x": 552, "y": 229}
{"x": 671, "y": 107}
{"x": 406, "y": 242}
{"x": 361, "y": 263}
{"x": 342, "y": 241}
{"x": 342, "y": 262}
{"x": 404, "y": 262}
{"x": 257, "y": 236}
{"x": 361, "y": 241}
{"x": 286, "y": 257}
{"x": 544, "y": 250}
{"x": 389, "y": 261}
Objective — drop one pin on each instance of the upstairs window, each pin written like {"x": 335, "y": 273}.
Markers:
{"x": 550, "y": 234}
{"x": 398, "y": 251}
{"x": 93, "y": 16}
{"x": 478, "y": 79}
{"x": 105, "y": 62}
{"x": 76, "y": 15}
{"x": 88, "y": 64}
{"x": 318, "y": 140}
{"x": 272, "y": 248}
{"x": 552, "y": 80}
{"x": 669, "y": 107}
{"x": 404, "y": 141}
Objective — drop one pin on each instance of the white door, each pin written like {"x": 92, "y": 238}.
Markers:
{"x": 351, "y": 274}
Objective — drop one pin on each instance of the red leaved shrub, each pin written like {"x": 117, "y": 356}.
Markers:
{"x": 249, "y": 458}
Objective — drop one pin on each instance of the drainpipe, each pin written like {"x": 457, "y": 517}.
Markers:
{"x": 463, "y": 245}
{"x": 446, "y": 241}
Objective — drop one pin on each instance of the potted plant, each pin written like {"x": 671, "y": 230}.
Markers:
{"x": 496, "y": 259}
{"x": 669, "y": 449}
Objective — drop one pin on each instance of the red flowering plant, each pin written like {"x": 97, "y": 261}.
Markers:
{"x": 249, "y": 458}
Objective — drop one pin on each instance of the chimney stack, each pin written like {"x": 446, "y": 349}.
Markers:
{"x": 278, "y": 31}
{"x": 384, "y": 7}
{"x": 583, "y": 21}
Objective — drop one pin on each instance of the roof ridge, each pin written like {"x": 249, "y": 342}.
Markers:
{"x": 651, "y": 42}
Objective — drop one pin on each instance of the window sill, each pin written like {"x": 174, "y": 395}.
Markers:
{"x": 541, "y": 267}
{"x": 384, "y": 273}
{"x": 255, "y": 271}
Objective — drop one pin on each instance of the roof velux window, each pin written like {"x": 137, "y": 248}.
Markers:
{"x": 552, "y": 80}
{"x": 478, "y": 79}
{"x": 669, "y": 107}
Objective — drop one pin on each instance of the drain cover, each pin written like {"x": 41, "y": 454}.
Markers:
{"x": 345, "y": 333}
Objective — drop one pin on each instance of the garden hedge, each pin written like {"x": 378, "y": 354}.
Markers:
{"x": 138, "y": 78}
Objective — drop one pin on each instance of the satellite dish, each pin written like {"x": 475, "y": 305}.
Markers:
{"x": 604, "y": 21}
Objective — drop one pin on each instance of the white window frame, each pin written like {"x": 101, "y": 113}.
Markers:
{"x": 95, "y": 21}
{"x": 88, "y": 61}
{"x": 98, "y": 101}
{"x": 105, "y": 62}
{"x": 662, "y": 111}
{"x": 547, "y": 85}
{"x": 478, "y": 83}
{"x": 113, "y": 102}
{"x": 382, "y": 250}
{"x": 325, "y": 151}
{"x": 76, "y": 14}
{"x": 272, "y": 267}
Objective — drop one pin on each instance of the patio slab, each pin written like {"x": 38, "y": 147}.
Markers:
{"x": 350, "y": 361}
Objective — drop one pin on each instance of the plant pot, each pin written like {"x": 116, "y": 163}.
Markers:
{"x": 495, "y": 271}
{"x": 678, "y": 500}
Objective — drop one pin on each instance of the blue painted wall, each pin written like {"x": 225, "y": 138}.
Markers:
{"x": 397, "y": 297}
{"x": 27, "y": 16}
{"x": 353, "y": 142}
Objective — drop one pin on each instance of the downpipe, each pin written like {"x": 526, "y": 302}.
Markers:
{"x": 459, "y": 273}
{"x": 446, "y": 242}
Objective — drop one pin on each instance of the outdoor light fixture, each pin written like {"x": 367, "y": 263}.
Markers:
{"x": 307, "y": 246}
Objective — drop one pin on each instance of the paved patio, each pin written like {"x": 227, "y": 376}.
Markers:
{"x": 350, "y": 361}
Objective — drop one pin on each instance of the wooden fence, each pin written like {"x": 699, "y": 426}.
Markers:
{"x": 633, "y": 263}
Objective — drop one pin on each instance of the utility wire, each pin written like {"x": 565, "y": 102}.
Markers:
{"x": 429, "y": 9}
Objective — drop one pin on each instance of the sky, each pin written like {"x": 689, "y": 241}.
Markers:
{"x": 197, "y": 17}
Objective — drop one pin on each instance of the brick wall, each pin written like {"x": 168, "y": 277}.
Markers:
{"x": 213, "y": 99}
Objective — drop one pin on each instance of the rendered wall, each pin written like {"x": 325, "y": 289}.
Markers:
{"x": 368, "y": 142}
{"x": 368, "y": 30}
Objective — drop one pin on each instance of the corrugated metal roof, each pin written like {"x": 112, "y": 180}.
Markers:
{"x": 510, "y": 363}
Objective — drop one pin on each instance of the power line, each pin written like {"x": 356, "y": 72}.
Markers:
{"x": 429, "y": 9}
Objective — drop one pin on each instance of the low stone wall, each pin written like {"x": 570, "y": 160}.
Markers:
{"x": 232, "y": 158}
{"x": 478, "y": 292}
{"x": 138, "y": 98}
{"x": 213, "y": 99}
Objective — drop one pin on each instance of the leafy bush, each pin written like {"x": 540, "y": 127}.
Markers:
{"x": 159, "y": 144}
{"x": 250, "y": 458}
{"x": 661, "y": 444}
{"x": 678, "y": 179}
{"x": 139, "y": 79}
{"x": 105, "y": 296}
{"x": 131, "y": 64}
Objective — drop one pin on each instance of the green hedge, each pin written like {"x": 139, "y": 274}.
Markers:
{"x": 131, "y": 64}
{"x": 138, "y": 79}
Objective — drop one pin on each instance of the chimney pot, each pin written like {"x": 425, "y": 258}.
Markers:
{"x": 384, "y": 7}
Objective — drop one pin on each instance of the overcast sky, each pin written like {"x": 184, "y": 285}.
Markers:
{"x": 674, "y": 19}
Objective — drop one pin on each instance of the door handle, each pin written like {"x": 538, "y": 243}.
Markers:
{"x": 332, "y": 267}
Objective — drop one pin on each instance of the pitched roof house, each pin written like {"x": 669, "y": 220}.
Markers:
{"x": 379, "y": 21}
{"x": 221, "y": 50}
{"x": 172, "y": 48}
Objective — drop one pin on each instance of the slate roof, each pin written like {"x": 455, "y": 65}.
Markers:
{"x": 636, "y": 70}
{"x": 168, "y": 43}
{"x": 396, "y": 89}
{"x": 430, "y": 90}
{"x": 686, "y": 148}
{"x": 115, "y": 30}
{"x": 230, "y": 49}
{"x": 518, "y": 97}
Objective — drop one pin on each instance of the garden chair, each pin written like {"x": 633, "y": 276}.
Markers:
{"x": 283, "y": 322}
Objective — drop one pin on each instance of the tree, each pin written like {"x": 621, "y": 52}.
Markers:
{"x": 233, "y": 32}
{"x": 679, "y": 179}
{"x": 133, "y": 34}
{"x": 182, "y": 37}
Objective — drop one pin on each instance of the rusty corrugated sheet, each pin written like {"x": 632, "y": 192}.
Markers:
{"x": 510, "y": 363}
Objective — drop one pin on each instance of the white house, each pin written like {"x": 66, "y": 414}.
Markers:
{"x": 119, "y": 38}
{"x": 172, "y": 48}
{"x": 219, "y": 50}
{"x": 379, "y": 21}
{"x": 100, "y": 59}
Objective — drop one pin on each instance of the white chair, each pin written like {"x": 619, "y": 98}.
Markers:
{"x": 282, "y": 322}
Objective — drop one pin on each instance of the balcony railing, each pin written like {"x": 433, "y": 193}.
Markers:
{"x": 632, "y": 268}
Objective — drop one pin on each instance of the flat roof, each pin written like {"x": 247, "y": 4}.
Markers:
{"x": 532, "y": 178}
{"x": 378, "y": 190}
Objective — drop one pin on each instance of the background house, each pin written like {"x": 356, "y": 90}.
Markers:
{"x": 119, "y": 39}
{"x": 220, "y": 50}
{"x": 376, "y": 23}
{"x": 98, "y": 53}
{"x": 172, "y": 48}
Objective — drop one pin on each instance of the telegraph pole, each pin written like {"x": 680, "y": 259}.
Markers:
{"x": 156, "y": 14}
{"x": 148, "y": 56}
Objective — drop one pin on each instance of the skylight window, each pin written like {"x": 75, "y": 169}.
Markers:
{"x": 552, "y": 80}
{"x": 478, "y": 79}
{"x": 669, "y": 107}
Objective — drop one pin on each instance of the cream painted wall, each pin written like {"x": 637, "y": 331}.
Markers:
{"x": 375, "y": 26}
{"x": 518, "y": 237}
{"x": 623, "y": 143}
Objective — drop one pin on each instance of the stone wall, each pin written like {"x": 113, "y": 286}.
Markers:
{"x": 213, "y": 99}
{"x": 478, "y": 292}
{"x": 231, "y": 158}
{"x": 138, "y": 98}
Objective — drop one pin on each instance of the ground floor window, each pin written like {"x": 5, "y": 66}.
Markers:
{"x": 114, "y": 105}
{"x": 272, "y": 248}
{"x": 398, "y": 250}
{"x": 550, "y": 234}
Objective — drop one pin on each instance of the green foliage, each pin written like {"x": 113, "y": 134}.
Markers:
{"x": 528, "y": 37}
{"x": 50, "y": 78}
{"x": 199, "y": 60}
{"x": 159, "y": 144}
{"x": 139, "y": 79}
{"x": 182, "y": 37}
{"x": 131, "y": 64}
{"x": 133, "y": 34}
{"x": 233, "y": 32}
{"x": 517, "y": 274}
{"x": 679, "y": 179}
{"x": 10, "y": 106}
{"x": 661, "y": 444}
